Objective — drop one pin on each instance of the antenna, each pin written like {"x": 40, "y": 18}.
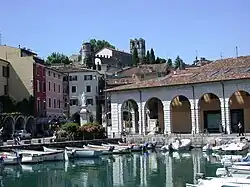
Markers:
{"x": 196, "y": 52}
{"x": 221, "y": 55}
{"x": 236, "y": 50}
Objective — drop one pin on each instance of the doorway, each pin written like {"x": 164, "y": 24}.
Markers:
{"x": 236, "y": 116}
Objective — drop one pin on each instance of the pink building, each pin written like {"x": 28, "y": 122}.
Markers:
{"x": 54, "y": 93}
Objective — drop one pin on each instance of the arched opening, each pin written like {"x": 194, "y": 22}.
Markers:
{"x": 210, "y": 113}
{"x": 130, "y": 116}
{"x": 154, "y": 116}
{"x": 76, "y": 118}
{"x": 8, "y": 127}
{"x": 20, "y": 123}
{"x": 239, "y": 104}
{"x": 30, "y": 124}
{"x": 181, "y": 115}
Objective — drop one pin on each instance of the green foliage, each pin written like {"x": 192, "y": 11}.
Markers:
{"x": 91, "y": 130}
{"x": 152, "y": 56}
{"x": 57, "y": 58}
{"x": 147, "y": 57}
{"x": 170, "y": 63}
{"x": 9, "y": 105}
{"x": 178, "y": 63}
{"x": 97, "y": 45}
{"x": 158, "y": 60}
{"x": 70, "y": 127}
{"x": 88, "y": 61}
{"x": 135, "y": 57}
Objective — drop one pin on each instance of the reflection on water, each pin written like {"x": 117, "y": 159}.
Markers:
{"x": 148, "y": 169}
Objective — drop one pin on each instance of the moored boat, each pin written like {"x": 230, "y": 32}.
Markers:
{"x": 119, "y": 149}
{"x": 178, "y": 145}
{"x": 59, "y": 154}
{"x": 76, "y": 152}
{"x": 105, "y": 150}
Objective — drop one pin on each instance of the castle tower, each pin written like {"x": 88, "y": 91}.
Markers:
{"x": 139, "y": 44}
{"x": 85, "y": 51}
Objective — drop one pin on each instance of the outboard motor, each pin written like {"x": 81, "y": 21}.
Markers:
{"x": 200, "y": 176}
{"x": 111, "y": 148}
{"x": 170, "y": 147}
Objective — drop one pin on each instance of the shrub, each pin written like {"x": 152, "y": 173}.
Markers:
{"x": 70, "y": 128}
{"x": 91, "y": 131}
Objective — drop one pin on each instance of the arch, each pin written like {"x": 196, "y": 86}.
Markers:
{"x": 181, "y": 115}
{"x": 210, "y": 113}
{"x": 8, "y": 124}
{"x": 130, "y": 116}
{"x": 19, "y": 123}
{"x": 239, "y": 105}
{"x": 30, "y": 124}
{"x": 154, "y": 116}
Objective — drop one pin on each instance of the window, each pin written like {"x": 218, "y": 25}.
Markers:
{"x": 88, "y": 88}
{"x": 89, "y": 101}
{"x": 37, "y": 86}
{"x": 59, "y": 76}
{"x": 49, "y": 102}
{"x": 37, "y": 70}
{"x": 88, "y": 77}
{"x": 43, "y": 71}
{"x": 73, "y": 102}
{"x": 73, "y": 89}
{"x": 49, "y": 73}
{"x": 54, "y": 75}
{"x": 54, "y": 87}
{"x": 73, "y": 78}
{"x": 5, "y": 89}
{"x": 44, "y": 87}
{"x": 41, "y": 87}
{"x": 65, "y": 78}
{"x": 6, "y": 71}
{"x": 49, "y": 86}
{"x": 59, "y": 104}
{"x": 54, "y": 103}
{"x": 59, "y": 88}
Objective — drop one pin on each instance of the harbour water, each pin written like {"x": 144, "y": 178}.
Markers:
{"x": 146, "y": 170}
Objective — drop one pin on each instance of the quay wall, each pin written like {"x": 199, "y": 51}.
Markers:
{"x": 198, "y": 141}
{"x": 39, "y": 144}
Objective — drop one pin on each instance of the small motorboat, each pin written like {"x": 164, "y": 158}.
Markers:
{"x": 119, "y": 149}
{"x": 54, "y": 154}
{"x": 235, "y": 147}
{"x": 76, "y": 152}
{"x": 178, "y": 145}
{"x": 30, "y": 157}
{"x": 10, "y": 158}
{"x": 105, "y": 150}
{"x": 207, "y": 148}
{"x": 242, "y": 181}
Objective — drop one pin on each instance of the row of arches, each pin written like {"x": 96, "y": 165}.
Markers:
{"x": 208, "y": 110}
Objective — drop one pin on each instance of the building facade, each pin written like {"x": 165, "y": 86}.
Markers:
{"x": 212, "y": 98}
{"x": 4, "y": 76}
{"x": 54, "y": 93}
{"x": 39, "y": 87}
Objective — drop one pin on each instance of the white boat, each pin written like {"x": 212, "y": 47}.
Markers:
{"x": 30, "y": 157}
{"x": 235, "y": 147}
{"x": 76, "y": 152}
{"x": 58, "y": 154}
{"x": 222, "y": 182}
{"x": 105, "y": 150}
{"x": 207, "y": 148}
{"x": 178, "y": 145}
{"x": 118, "y": 149}
{"x": 46, "y": 155}
{"x": 10, "y": 159}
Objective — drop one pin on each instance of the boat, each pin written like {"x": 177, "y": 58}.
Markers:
{"x": 76, "y": 152}
{"x": 119, "y": 149}
{"x": 178, "y": 145}
{"x": 134, "y": 147}
{"x": 10, "y": 158}
{"x": 58, "y": 154}
{"x": 207, "y": 148}
{"x": 46, "y": 155}
{"x": 105, "y": 150}
{"x": 226, "y": 181}
{"x": 235, "y": 147}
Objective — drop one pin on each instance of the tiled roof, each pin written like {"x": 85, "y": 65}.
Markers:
{"x": 71, "y": 69}
{"x": 219, "y": 70}
{"x": 121, "y": 81}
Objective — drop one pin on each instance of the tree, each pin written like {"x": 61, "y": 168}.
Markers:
{"x": 57, "y": 58}
{"x": 170, "y": 63}
{"x": 88, "y": 61}
{"x": 162, "y": 60}
{"x": 135, "y": 57}
{"x": 97, "y": 45}
{"x": 147, "y": 57}
{"x": 152, "y": 56}
{"x": 178, "y": 63}
{"x": 158, "y": 60}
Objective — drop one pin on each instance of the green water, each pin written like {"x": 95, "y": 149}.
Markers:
{"x": 151, "y": 170}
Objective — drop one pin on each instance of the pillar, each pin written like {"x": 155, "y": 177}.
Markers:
{"x": 133, "y": 130}
{"x": 195, "y": 115}
{"x": 167, "y": 117}
{"x": 225, "y": 115}
{"x": 141, "y": 109}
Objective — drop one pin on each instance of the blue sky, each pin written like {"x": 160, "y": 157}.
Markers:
{"x": 177, "y": 27}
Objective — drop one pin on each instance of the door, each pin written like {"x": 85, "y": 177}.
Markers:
{"x": 237, "y": 115}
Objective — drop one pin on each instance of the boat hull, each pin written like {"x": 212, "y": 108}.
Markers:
{"x": 82, "y": 153}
